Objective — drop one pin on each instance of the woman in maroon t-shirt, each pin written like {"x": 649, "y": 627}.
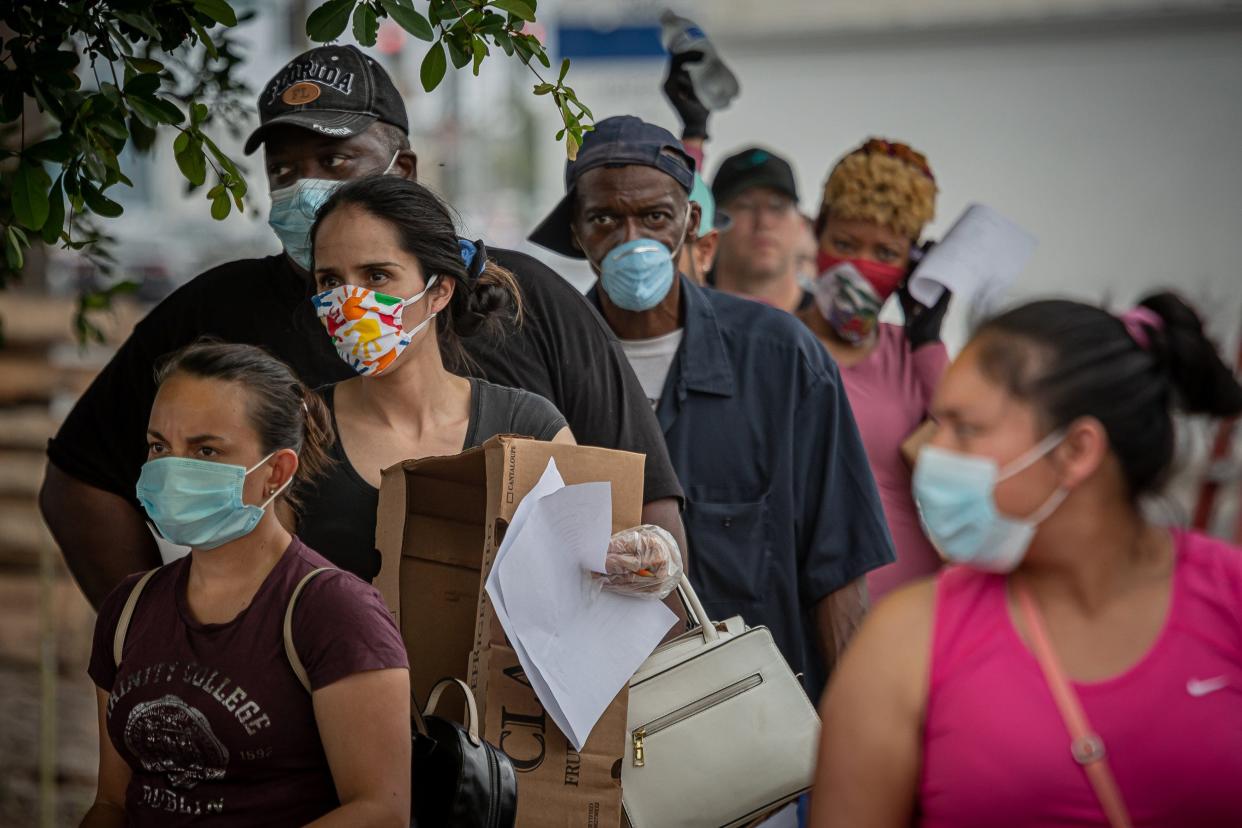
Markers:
{"x": 203, "y": 718}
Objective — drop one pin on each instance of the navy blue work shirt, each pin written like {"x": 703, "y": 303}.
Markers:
{"x": 781, "y": 506}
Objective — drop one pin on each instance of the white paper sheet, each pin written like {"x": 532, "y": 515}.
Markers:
{"x": 578, "y": 645}
{"x": 979, "y": 258}
{"x": 549, "y": 482}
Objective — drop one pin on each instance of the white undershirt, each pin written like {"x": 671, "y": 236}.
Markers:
{"x": 651, "y": 360}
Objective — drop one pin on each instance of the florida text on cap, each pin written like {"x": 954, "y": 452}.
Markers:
{"x": 335, "y": 91}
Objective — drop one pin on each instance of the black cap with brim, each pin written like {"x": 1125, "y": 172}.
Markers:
{"x": 751, "y": 168}
{"x": 619, "y": 141}
{"x": 334, "y": 91}
{"x": 319, "y": 121}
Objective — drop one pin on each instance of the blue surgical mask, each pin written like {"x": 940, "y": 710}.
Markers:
{"x": 293, "y": 212}
{"x": 636, "y": 275}
{"x": 198, "y": 503}
{"x": 955, "y": 494}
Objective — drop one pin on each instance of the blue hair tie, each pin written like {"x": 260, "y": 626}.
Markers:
{"x": 468, "y": 250}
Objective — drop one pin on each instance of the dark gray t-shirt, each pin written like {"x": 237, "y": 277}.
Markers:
{"x": 338, "y": 512}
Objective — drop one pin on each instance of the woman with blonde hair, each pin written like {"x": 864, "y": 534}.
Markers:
{"x": 877, "y": 200}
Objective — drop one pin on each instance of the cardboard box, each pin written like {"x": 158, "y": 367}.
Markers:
{"x": 441, "y": 521}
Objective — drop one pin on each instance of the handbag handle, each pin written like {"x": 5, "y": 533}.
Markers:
{"x": 695, "y": 607}
{"x": 433, "y": 699}
{"x": 1087, "y": 747}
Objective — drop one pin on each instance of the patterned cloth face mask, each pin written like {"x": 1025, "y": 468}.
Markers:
{"x": 848, "y": 302}
{"x": 365, "y": 326}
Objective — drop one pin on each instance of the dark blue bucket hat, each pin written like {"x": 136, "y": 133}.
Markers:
{"x": 619, "y": 141}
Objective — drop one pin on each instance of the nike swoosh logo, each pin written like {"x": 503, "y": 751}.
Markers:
{"x": 1202, "y": 687}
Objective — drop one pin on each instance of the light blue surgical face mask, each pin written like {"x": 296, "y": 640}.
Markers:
{"x": 955, "y": 494}
{"x": 198, "y": 503}
{"x": 293, "y": 212}
{"x": 294, "y": 209}
{"x": 637, "y": 275}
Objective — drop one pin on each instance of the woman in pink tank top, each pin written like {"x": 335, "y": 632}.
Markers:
{"x": 1053, "y": 423}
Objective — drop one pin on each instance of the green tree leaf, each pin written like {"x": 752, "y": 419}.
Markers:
{"x": 434, "y": 66}
{"x": 29, "y": 195}
{"x": 204, "y": 38}
{"x": 217, "y": 10}
{"x": 220, "y": 207}
{"x": 366, "y": 25}
{"x": 13, "y": 255}
{"x": 328, "y": 21}
{"x": 100, "y": 203}
{"x": 192, "y": 161}
{"x": 480, "y": 52}
{"x": 517, "y": 8}
{"x": 145, "y": 64}
{"x": 459, "y": 50}
{"x": 143, "y": 85}
{"x": 139, "y": 22}
{"x": 58, "y": 149}
{"x": 56, "y": 212}
{"x": 564, "y": 70}
{"x": 156, "y": 111}
{"x": 408, "y": 19}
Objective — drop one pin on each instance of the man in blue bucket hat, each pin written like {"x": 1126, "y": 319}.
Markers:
{"x": 782, "y": 514}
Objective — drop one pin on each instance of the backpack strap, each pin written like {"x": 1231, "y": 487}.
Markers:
{"x": 127, "y": 613}
{"x": 291, "y": 652}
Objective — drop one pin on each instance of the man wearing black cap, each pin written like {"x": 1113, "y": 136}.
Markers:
{"x": 758, "y": 257}
{"x": 782, "y": 514}
{"x": 330, "y": 115}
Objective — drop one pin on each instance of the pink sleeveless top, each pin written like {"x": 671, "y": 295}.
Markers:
{"x": 995, "y": 749}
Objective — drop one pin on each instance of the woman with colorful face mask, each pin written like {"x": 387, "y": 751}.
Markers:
{"x": 876, "y": 203}
{"x": 203, "y": 714}
{"x": 397, "y": 290}
{"x": 1080, "y": 666}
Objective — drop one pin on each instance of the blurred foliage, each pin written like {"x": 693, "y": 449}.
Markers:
{"x": 461, "y": 31}
{"x": 105, "y": 76}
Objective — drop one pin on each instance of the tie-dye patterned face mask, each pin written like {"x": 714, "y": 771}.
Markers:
{"x": 365, "y": 326}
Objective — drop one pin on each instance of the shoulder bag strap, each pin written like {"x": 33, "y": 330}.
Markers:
{"x": 1087, "y": 747}
{"x": 127, "y": 613}
{"x": 472, "y": 711}
{"x": 291, "y": 652}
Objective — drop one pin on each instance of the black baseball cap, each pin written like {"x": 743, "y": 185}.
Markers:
{"x": 619, "y": 141}
{"x": 333, "y": 90}
{"x": 753, "y": 167}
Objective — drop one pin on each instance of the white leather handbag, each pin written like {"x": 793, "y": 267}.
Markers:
{"x": 720, "y": 730}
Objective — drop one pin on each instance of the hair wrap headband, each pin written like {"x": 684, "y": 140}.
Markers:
{"x": 1137, "y": 320}
{"x": 474, "y": 257}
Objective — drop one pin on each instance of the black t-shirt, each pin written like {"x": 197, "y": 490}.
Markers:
{"x": 338, "y": 512}
{"x": 563, "y": 352}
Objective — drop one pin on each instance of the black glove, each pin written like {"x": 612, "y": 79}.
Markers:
{"x": 922, "y": 323}
{"x": 680, "y": 93}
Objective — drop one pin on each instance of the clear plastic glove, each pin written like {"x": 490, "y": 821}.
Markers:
{"x": 643, "y": 561}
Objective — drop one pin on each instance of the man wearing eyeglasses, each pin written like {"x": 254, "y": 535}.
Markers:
{"x": 758, "y": 255}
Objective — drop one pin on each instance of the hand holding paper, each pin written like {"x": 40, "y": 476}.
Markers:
{"x": 578, "y": 646}
{"x": 980, "y": 257}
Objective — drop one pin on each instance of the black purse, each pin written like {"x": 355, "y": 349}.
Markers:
{"x": 457, "y": 780}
